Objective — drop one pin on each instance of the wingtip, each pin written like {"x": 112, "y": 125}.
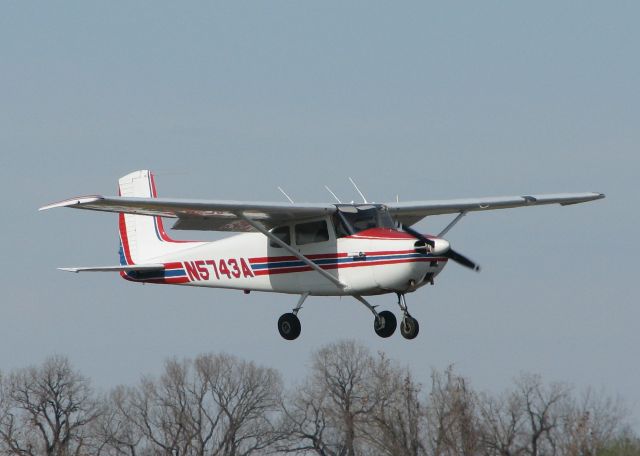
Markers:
{"x": 76, "y": 270}
{"x": 72, "y": 202}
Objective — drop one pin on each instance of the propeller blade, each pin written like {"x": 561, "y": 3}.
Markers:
{"x": 449, "y": 253}
{"x": 462, "y": 260}
{"x": 418, "y": 236}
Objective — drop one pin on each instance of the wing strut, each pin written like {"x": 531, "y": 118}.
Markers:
{"x": 258, "y": 226}
{"x": 452, "y": 224}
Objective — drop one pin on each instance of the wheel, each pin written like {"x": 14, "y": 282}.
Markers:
{"x": 409, "y": 327}
{"x": 289, "y": 326}
{"x": 385, "y": 324}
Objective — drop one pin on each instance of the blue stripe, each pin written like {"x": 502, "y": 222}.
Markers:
{"x": 155, "y": 224}
{"x": 174, "y": 273}
{"x": 123, "y": 259}
{"x": 331, "y": 261}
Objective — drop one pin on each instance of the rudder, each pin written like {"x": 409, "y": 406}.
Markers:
{"x": 142, "y": 237}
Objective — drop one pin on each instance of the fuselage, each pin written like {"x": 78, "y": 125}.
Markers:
{"x": 369, "y": 262}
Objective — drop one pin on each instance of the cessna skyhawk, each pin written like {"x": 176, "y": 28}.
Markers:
{"x": 338, "y": 249}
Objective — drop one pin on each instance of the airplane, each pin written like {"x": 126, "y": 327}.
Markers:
{"x": 354, "y": 249}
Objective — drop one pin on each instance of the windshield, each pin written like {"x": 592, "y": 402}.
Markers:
{"x": 353, "y": 219}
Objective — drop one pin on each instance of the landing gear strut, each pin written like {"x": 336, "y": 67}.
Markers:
{"x": 289, "y": 324}
{"x": 409, "y": 326}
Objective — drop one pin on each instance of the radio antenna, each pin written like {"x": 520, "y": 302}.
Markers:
{"x": 358, "y": 190}
{"x": 285, "y": 194}
{"x": 333, "y": 194}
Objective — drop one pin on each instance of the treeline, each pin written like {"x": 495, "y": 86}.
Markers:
{"x": 353, "y": 402}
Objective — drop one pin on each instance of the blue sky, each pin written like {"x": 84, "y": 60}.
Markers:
{"x": 424, "y": 100}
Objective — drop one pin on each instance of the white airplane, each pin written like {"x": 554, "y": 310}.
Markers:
{"x": 304, "y": 249}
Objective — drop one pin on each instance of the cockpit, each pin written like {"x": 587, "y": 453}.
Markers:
{"x": 350, "y": 219}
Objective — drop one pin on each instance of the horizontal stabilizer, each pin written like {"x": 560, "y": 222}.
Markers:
{"x": 129, "y": 268}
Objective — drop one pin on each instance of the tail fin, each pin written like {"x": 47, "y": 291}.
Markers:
{"x": 142, "y": 237}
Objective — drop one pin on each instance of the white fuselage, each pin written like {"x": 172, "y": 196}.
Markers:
{"x": 368, "y": 263}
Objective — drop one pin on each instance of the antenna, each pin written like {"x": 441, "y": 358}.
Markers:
{"x": 285, "y": 194}
{"x": 358, "y": 190}
{"x": 333, "y": 194}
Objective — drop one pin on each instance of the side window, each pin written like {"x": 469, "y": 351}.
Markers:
{"x": 341, "y": 227}
{"x": 306, "y": 233}
{"x": 283, "y": 233}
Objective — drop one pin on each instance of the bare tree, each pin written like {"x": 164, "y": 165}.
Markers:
{"x": 502, "y": 423}
{"x": 330, "y": 409}
{"x": 590, "y": 423}
{"x": 354, "y": 403}
{"x": 397, "y": 422}
{"x": 548, "y": 419}
{"x": 114, "y": 433}
{"x": 215, "y": 405}
{"x": 46, "y": 410}
{"x": 453, "y": 426}
{"x": 306, "y": 424}
{"x": 543, "y": 413}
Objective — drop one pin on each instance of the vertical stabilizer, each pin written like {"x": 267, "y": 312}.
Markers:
{"x": 142, "y": 237}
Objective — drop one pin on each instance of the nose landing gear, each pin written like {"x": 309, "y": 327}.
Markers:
{"x": 409, "y": 326}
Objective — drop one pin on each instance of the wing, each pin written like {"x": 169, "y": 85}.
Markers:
{"x": 204, "y": 215}
{"x": 411, "y": 212}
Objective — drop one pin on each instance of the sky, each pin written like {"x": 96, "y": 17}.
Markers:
{"x": 424, "y": 100}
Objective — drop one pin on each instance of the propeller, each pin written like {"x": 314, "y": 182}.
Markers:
{"x": 442, "y": 247}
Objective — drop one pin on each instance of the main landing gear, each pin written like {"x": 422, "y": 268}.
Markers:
{"x": 384, "y": 323}
{"x": 289, "y": 324}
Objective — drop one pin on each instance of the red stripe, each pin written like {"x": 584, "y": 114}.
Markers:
{"x": 123, "y": 237}
{"x": 385, "y": 234}
{"x": 125, "y": 240}
{"x": 282, "y": 270}
{"x": 319, "y": 256}
{"x": 347, "y": 265}
{"x": 327, "y": 256}
{"x": 389, "y": 252}
{"x": 382, "y": 233}
{"x": 163, "y": 234}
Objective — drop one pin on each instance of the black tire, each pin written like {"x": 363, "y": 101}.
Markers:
{"x": 289, "y": 326}
{"x": 409, "y": 328}
{"x": 385, "y": 324}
